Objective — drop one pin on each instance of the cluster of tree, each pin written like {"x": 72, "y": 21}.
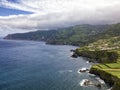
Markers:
{"x": 101, "y": 56}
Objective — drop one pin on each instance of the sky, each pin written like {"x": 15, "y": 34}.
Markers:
{"x": 30, "y": 15}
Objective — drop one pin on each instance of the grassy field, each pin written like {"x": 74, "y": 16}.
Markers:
{"x": 104, "y": 44}
{"x": 111, "y": 68}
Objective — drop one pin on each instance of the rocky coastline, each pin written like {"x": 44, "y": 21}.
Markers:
{"x": 113, "y": 81}
{"x": 110, "y": 79}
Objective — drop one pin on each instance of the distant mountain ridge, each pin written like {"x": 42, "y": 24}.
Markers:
{"x": 75, "y": 35}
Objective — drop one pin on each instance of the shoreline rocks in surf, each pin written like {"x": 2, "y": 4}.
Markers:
{"x": 86, "y": 82}
{"x": 84, "y": 70}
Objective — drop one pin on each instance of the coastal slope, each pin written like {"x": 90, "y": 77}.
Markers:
{"x": 105, "y": 51}
{"x": 76, "y": 35}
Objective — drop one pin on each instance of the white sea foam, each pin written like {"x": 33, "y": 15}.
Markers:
{"x": 110, "y": 88}
{"x": 64, "y": 71}
{"x": 93, "y": 75}
{"x": 69, "y": 70}
{"x": 82, "y": 82}
{"x": 87, "y": 61}
{"x": 100, "y": 80}
{"x": 79, "y": 71}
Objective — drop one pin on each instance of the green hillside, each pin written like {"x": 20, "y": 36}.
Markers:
{"x": 105, "y": 49}
{"x": 112, "y": 31}
{"x": 76, "y": 35}
{"x": 108, "y": 40}
{"x": 104, "y": 44}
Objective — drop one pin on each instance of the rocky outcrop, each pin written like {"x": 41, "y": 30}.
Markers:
{"x": 113, "y": 81}
{"x": 116, "y": 85}
{"x": 101, "y": 56}
{"x": 103, "y": 75}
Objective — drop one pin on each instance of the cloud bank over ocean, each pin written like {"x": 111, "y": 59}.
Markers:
{"x": 50, "y": 14}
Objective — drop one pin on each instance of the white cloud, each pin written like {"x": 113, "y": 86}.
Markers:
{"x": 59, "y": 13}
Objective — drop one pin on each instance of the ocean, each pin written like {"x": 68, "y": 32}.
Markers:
{"x": 30, "y": 65}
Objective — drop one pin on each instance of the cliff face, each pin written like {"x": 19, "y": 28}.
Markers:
{"x": 103, "y": 75}
{"x": 102, "y": 56}
{"x": 107, "y": 77}
{"x": 109, "y": 68}
{"x": 8, "y": 37}
{"x": 116, "y": 85}
{"x": 105, "y": 50}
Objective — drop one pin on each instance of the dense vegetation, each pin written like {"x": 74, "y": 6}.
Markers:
{"x": 112, "y": 31}
{"x": 104, "y": 46}
{"x": 101, "y": 56}
{"x": 109, "y": 72}
{"x": 76, "y": 35}
{"x": 105, "y": 49}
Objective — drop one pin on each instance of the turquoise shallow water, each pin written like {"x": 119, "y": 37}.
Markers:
{"x": 29, "y": 65}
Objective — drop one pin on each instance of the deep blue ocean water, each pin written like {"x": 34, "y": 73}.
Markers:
{"x": 29, "y": 65}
